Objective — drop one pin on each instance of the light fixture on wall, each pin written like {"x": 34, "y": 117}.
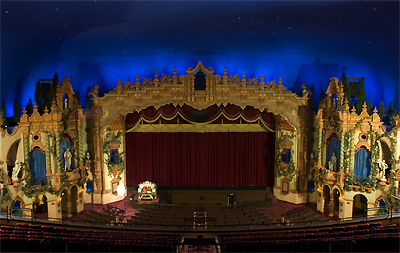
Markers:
{"x": 121, "y": 192}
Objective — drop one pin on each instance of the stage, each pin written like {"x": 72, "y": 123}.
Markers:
{"x": 207, "y": 195}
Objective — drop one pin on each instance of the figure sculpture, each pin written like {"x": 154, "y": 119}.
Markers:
{"x": 65, "y": 104}
{"x": 67, "y": 159}
{"x": 383, "y": 166}
{"x": 332, "y": 162}
{"x": 16, "y": 170}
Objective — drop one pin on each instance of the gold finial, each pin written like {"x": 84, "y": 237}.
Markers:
{"x": 95, "y": 86}
{"x": 224, "y": 77}
{"x": 365, "y": 105}
{"x": 174, "y": 77}
{"x": 46, "y": 110}
{"x": 119, "y": 81}
{"x": 280, "y": 82}
{"x": 262, "y": 79}
{"x": 304, "y": 85}
{"x": 375, "y": 110}
{"x": 53, "y": 104}
{"x": 156, "y": 80}
{"x": 35, "y": 107}
{"x": 24, "y": 111}
{"x": 243, "y": 79}
{"x": 137, "y": 79}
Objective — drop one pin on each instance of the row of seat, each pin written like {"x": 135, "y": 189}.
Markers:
{"x": 360, "y": 231}
{"x": 222, "y": 217}
{"x": 32, "y": 232}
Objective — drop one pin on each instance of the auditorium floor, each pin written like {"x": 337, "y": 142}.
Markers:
{"x": 277, "y": 210}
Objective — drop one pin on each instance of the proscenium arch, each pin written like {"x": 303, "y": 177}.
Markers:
{"x": 130, "y": 97}
{"x": 136, "y": 96}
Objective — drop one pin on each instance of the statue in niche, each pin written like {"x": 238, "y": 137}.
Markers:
{"x": 332, "y": 162}
{"x": 16, "y": 170}
{"x": 65, "y": 103}
{"x": 67, "y": 160}
{"x": 383, "y": 166}
{"x": 334, "y": 103}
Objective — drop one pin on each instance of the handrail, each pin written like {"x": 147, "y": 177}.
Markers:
{"x": 38, "y": 181}
{"x": 396, "y": 192}
{"x": 365, "y": 217}
{"x": 140, "y": 206}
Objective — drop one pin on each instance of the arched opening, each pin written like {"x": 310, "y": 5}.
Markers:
{"x": 327, "y": 198}
{"x": 65, "y": 101}
{"x": 40, "y": 206}
{"x": 37, "y": 165}
{"x": 183, "y": 153}
{"x": 362, "y": 164}
{"x": 64, "y": 203}
{"x": 17, "y": 204}
{"x": 16, "y": 208}
{"x": 74, "y": 199}
{"x": 12, "y": 158}
{"x": 382, "y": 208}
{"x": 336, "y": 196}
{"x": 200, "y": 80}
{"x": 359, "y": 205}
{"x": 386, "y": 156}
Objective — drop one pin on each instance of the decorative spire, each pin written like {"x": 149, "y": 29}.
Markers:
{"x": 137, "y": 80}
{"x": 24, "y": 111}
{"x": 365, "y": 106}
{"x": 46, "y": 110}
{"x": 53, "y": 104}
{"x": 156, "y": 80}
{"x": 119, "y": 88}
{"x": 346, "y": 103}
{"x": 224, "y": 77}
{"x": 35, "y": 107}
{"x": 262, "y": 79}
{"x": 95, "y": 87}
{"x": 304, "y": 85}
{"x": 280, "y": 82}
{"x": 174, "y": 77}
{"x": 243, "y": 77}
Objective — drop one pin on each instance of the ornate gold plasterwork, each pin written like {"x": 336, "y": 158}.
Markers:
{"x": 136, "y": 96}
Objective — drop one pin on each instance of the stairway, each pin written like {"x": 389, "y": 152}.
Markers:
{"x": 200, "y": 245}
{"x": 199, "y": 219}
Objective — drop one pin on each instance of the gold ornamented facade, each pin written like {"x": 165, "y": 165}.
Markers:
{"x": 94, "y": 133}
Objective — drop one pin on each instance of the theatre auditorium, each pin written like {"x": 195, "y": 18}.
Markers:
{"x": 201, "y": 162}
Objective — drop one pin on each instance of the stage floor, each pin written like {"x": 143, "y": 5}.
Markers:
{"x": 221, "y": 195}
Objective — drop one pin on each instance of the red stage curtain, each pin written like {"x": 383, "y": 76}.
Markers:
{"x": 201, "y": 159}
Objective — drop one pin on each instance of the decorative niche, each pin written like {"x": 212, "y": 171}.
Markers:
{"x": 285, "y": 187}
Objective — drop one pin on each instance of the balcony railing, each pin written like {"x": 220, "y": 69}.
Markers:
{"x": 360, "y": 178}
{"x": 396, "y": 193}
{"x": 40, "y": 181}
